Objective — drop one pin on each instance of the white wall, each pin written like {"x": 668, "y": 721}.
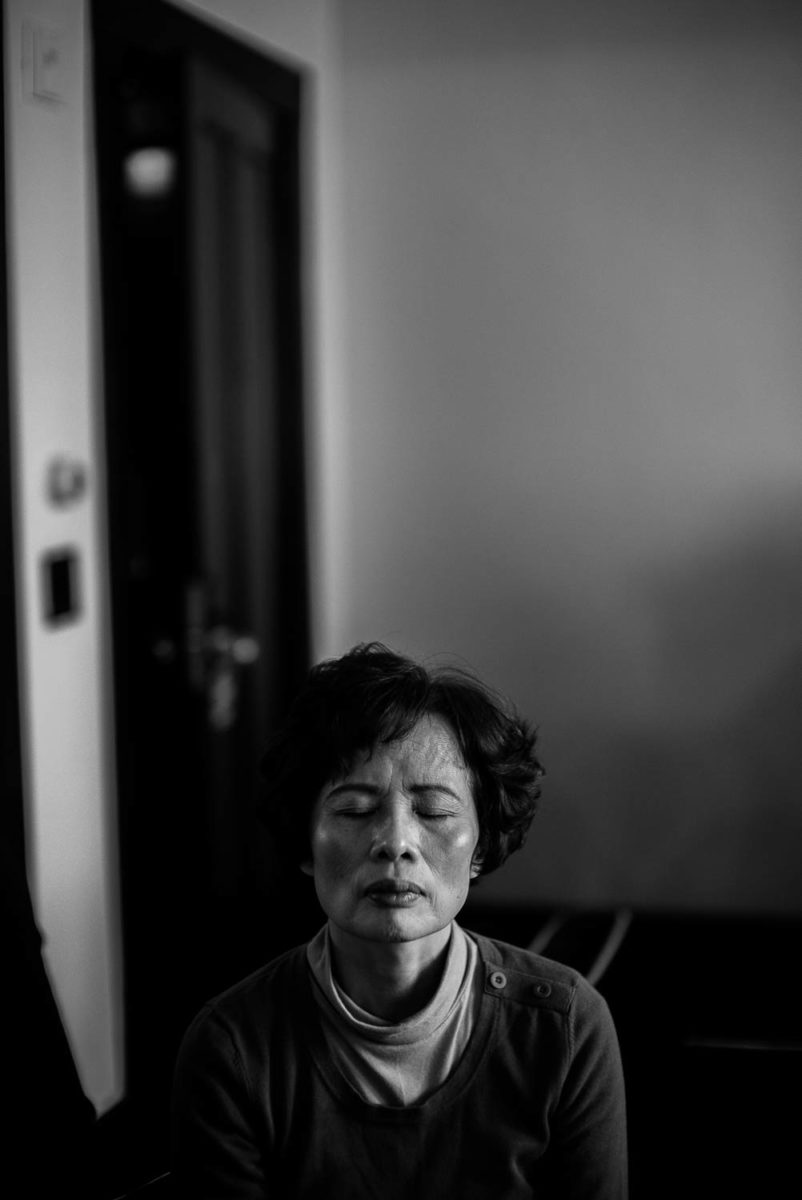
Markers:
{"x": 66, "y": 718}
{"x": 574, "y": 266}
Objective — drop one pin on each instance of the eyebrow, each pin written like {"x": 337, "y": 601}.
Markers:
{"x": 373, "y": 789}
{"x": 437, "y": 787}
{"x": 353, "y": 785}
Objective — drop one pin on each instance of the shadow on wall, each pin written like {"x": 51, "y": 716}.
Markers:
{"x": 713, "y": 815}
{"x": 692, "y": 804}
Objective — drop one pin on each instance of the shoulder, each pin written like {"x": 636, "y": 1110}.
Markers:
{"x": 518, "y": 975}
{"x": 265, "y": 985}
{"x": 249, "y": 1007}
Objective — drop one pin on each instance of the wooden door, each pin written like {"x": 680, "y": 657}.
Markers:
{"x": 202, "y": 319}
{"x": 232, "y": 604}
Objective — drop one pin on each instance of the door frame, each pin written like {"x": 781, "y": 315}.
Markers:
{"x": 140, "y": 1125}
{"x": 12, "y": 827}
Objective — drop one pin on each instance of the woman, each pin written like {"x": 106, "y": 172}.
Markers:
{"x": 397, "y": 1055}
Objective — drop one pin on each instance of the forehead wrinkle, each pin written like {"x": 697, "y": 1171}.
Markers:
{"x": 435, "y": 739}
{"x": 432, "y": 747}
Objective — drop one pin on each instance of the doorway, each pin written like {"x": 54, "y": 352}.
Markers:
{"x": 201, "y": 261}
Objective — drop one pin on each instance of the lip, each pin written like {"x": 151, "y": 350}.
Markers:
{"x": 393, "y": 893}
{"x": 393, "y": 887}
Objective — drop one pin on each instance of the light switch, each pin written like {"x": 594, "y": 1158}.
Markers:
{"x": 60, "y": 587}
{"x": 43, "y": 62}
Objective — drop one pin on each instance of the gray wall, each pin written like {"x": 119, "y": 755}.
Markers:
{"x": 574, "y": 431}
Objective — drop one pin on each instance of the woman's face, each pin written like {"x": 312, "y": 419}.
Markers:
{"x": 393, "y": 839}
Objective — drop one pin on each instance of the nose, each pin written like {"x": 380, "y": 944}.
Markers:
{"x": 394, "y": 834}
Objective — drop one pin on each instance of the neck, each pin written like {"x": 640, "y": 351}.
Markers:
{"x": 391, "y": 980}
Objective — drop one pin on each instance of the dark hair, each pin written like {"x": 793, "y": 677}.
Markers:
{"x": 371, "y": 696}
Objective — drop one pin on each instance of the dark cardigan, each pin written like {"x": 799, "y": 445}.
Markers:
{"x": 535, "y": 1107}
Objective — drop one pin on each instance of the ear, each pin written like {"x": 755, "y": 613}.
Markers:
{"x": 476, "y": 868}
{"x": 307, "y": 866}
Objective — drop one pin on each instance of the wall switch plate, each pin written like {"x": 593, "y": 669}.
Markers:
{"x": 60, "y": 586}
{"x": 42, "y": 63}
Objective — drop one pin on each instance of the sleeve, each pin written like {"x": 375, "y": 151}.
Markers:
{"x": 219, "y": 1134}
{"x": 588, "y": 1147}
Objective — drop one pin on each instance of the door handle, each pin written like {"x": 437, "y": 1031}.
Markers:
{"x": 241, "y": 648}
{"x": 215, "y": 656}
{"x": 226, "y": 652}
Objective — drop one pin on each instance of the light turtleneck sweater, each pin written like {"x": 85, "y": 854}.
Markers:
{"x": 398, "y": 1064}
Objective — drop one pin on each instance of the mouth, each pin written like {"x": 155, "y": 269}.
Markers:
{"x": 393, "y": 893}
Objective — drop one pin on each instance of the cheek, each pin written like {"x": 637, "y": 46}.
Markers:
{"x": 331, "y": 853}
{"x": 467, "y": 838}
{"x": 468, "y": 834}
{"x": 456, "y": 851}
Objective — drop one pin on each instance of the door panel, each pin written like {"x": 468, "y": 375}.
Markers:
{"x": 202, "y": 347}
{"x": 233, "y": 228}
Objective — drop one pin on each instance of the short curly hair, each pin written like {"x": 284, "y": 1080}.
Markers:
{"x": 372, "y": 696}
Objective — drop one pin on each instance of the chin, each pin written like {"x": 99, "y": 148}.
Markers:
{"x": 391, "y": 929}
{"x": 395, "y": 927}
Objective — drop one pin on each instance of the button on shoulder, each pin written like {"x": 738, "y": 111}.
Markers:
{"x": 514, "y": 974}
